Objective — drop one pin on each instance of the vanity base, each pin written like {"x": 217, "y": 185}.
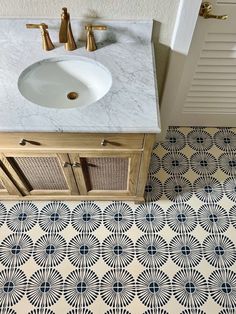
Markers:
{"x": 74, "y": 166}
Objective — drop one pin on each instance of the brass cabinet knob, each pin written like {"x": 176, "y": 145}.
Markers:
{"x": 103, "y": 142}
{"x": 22, "y": 142}
{"x": 76, "y": 164}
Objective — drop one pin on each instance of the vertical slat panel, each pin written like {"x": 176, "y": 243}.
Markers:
{"x": 108, "y": 173}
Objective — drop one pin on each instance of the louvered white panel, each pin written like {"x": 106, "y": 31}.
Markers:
{"x": 213, "y": 82}
{"x": 226, "y": 2}
{"x": 213, "y": 88}
{"x": 207, "y": 92}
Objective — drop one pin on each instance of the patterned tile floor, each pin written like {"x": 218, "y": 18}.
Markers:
{"x": 174, "y": 254}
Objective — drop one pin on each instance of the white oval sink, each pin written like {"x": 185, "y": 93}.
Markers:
{"x": 65, "y": 82}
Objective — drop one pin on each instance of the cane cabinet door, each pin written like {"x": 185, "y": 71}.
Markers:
{"x": 42, "y": 174}
{"x": 103, "y": 173}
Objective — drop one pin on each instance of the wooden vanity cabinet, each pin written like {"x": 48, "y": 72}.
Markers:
{"x": 70, "y": 166}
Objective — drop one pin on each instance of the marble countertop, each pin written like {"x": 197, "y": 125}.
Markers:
{"x": 130, "y": 106}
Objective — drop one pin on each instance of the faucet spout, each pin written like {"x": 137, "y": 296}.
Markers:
{"x": 65, "y": 33}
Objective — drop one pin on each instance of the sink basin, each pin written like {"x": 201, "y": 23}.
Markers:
{"x": 65, "y": 82}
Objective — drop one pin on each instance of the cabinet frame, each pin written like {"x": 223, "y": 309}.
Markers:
{"x": 69, "y": 148}
{"x": 134, "y": 159}
{"x": 19, "y": 182}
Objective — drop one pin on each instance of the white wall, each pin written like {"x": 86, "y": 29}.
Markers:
{"x": 163, "y": 11}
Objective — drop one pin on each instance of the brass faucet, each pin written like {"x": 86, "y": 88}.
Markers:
{"x": 46, "y": 40}
{"x": 90, "y": 42}
{"x": 65, "y": 34}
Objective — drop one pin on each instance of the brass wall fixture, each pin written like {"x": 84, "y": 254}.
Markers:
{"x": 46, "y": 40}
{"x": 65, "y": 33}
{"x": 90, "y": 42}
{"x": 205, "y": 12}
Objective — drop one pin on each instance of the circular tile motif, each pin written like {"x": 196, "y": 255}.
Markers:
{"x": 230, "y": 188}
{"x": 84, "y": 250}
{"x": 117, "y": 287}
{"x": 203, "y": 163}
{"x": 181, "y": 218}
{"x": 155, "y": 164}
{"x": 153, "y": 288}
{"x": 45, "y": 287}
{"x": 149, "y": 217}
{"x": 232, "y": 216}
{"x": 12, "y": 286}
{"x": 118, "y": 217}
{"x": 178, "y": 189}
{"x": 15, "y": 249}
{"x": 175, "y": 140}
{"x": 185, "y": 251}
{"x": 22, "y": 217}
{"x": 225, "y": 139}
{"x": 151, "y": 250}
{"x": 219, "y": 251}
{"x": 86, "y": 217}
{"x": 118, "y": 250}
{"x": 156, "y": 311}
{"x": 80, "y": 311}
{"x": 228, "y": 163}
{"x": 50, "y": 250}
{"x": 121, "y": 311}
{"x": 41, "y": 311}
{"x": 199, "y": 139}
{"x": 222, "y": 286}
{"x": 213, "y": 218}
{"x": 54, "y": 217}
{"x": 3, "y": 214}
{"x": 190, "y": 288}
{"x": 193, "y": 311}
{"x": 208, "y": 189}
{"x": 81, "y": 288}
{"x": 175, "y": 163}
{"x": 153, "y": 189}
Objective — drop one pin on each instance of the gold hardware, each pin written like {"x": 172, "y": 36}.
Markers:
{"x": 22, "y": 142}
{"x": 103, "y": 142}
{"x": 65, "y": 33}
{"x": 66, "y": 164}
{"x": 46, "y": 40}
{"x": 72, "y": 95}
{"x": 76, "y": 164}
{"x": 90, "y": 42}
{"x": 205, "y": 12}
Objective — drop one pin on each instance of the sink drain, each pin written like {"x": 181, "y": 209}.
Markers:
{"x": 72, "y": 95}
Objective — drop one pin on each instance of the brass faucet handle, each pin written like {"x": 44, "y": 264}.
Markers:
{"x": 46, "y": 40}
{"x": 90, "y": 43}
{"x": 91, "y": 27}
{"x": 41, "y": 25}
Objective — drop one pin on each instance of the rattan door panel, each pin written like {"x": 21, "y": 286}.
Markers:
{"x": 107, "y": 173}
{"x": 44, "y": 174}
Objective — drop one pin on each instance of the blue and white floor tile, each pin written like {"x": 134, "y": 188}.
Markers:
{"x": 175, "y": 254}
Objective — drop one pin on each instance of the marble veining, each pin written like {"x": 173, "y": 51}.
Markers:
{"x": 126, "y": 50}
